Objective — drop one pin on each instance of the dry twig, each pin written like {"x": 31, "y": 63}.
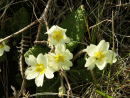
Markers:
{"x": 43, "y": 17}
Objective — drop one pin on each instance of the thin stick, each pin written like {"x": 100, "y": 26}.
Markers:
{"x": 113, "y": 30}
{"x": 6, "y": 78}
{"x": 6, "y": 7}
{"x": 69, "y": 88}
{"x": 99, "y": 23}
{"x": 79, "y": 53}
{"x": 43, "y": 17}
{"x": 51, "y": 93}
{"x": 94, "y": 78}
{"x": 22, "y": 90}
{"x": 126, "y": 4}
{"x": 113, "y": 46}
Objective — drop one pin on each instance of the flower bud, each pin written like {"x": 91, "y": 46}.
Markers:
{"x": 61, "y": 91}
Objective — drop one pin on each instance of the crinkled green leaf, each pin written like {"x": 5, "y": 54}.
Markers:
{"x": 75, "y": 25}
{"x": 20, "y": 20}
{"x": 35, "y": 50}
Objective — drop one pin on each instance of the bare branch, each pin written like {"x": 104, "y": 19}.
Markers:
{"x": 43, "y": 17}
{"x": 22, "y": 90}
{"x": 79, "y": 53}
{"x": 15, "y": 92}
{"x": 69, "y": 87}
{"x": 99, "y": 23}
{"x": 20, "y": 31}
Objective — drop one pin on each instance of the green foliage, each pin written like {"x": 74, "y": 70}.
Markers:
{"x": 35, "y": 50}
{"x": 42, "y": 35}
{"x": 75, "y": 25}
{"x": 20, "y": 20}
{"x": 19, "y": 80}
{"x": 103, "y": 94}
{"x": 71, "y": 44}
{"x": 3, "y": 57}
{"x": 81, "y": 75}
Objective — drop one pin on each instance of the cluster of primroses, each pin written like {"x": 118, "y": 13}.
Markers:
{"x": 47, "y": 64}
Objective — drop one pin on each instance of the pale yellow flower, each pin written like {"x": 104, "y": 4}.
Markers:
{"x": 60, "y": 59}
{"x": 57, "y": 36}
{"x": 99, "y": 55}
{"x": 38, "y": 69}
{"x": 3, "y": 47}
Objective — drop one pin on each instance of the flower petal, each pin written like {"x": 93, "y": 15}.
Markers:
{"x": 91, "y": 50}
{"x": 52, "y": 41}
{"x": 60, "y": 48}
{"x": 50, "y": 57}
{"x": 66, "y": 65}
{"x": 103, "y": 46}
{"x": 59, "y": 28}
{"x": 1, "y": 52}
{"x": 42, "y": 59}
{"x": 66, "y": 39}
{"x": 55, "y": 66}
{"x": 90, "y": 63}
{"x": 30, "y": 73}
{"x": 6, "y": 48}
{"x": 111, "y": 56}
{"x": 39, "y": 80}
{"x": 101, "y": 64}
{"x": 31, "y": 60}
{"x": 51, "y": 30}
{"x": 49, "y": 74}
{"x": 68, "y": 54}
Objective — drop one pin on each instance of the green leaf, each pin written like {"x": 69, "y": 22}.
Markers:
{"x": 103, "y": 94}
{"x": 75, "y": 25}
{"x": 71, "y": 44}
{"x": 19, "y": 80}
{"x": 20, "y": 20}
{"x": 35, "y": 50}
{"x": 42, "y": 35}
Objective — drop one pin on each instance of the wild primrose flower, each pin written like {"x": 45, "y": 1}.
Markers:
{"x": 99, "y": 55}
{"x": 60, "y": 59}
{"x": 38, "y": 69}
{"x": 57, "y": 36}
{"x": 3, "y": 47}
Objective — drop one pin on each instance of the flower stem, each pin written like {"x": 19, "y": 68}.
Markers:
{"x": 61, "y": 80}
{"x": 94, "y": 78}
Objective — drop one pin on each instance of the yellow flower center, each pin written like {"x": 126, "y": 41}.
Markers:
{"x": 59, "y": 58}
{"x": 99, "y": 56}
{"x": 40, "y": 68}
{"x": 2, "y": 45}
{"x": 58, "y": 35}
